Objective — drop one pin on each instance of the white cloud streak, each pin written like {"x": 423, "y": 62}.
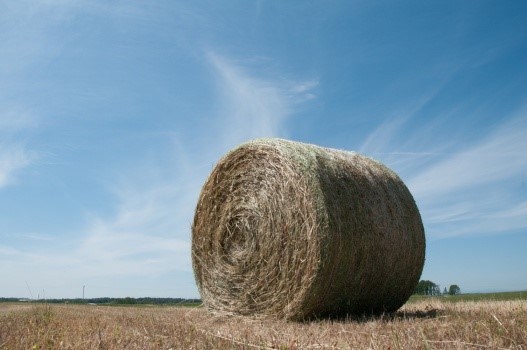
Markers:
{"x": 14, "y": 156}
{"x": 460, "y": 188}
{"x": 150, "y": 226}
{"x": 16, "y": 119}
{"x": 473, "y": 191}
{"x": 497, "y": 158}
{"x": 382, "y": 139}
{"x": 382, "y": 136}
{"x": 12, "y": 160}
{"x": 254, "y": 107}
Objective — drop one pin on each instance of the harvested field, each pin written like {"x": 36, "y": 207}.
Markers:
{"x": 425, "y": 324}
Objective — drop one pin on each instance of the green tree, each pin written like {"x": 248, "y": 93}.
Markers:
{"x": 454, "y": 290}
{"x": 125, "y": 301}
{"x": 445, "y": 292}
{"x": 425, "y": 287}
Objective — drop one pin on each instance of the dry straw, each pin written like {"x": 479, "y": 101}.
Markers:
{"x": 291, "y": 230}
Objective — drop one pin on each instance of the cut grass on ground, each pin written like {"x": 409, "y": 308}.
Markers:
{"x": 421, "y": 324}
{"x": 501, "y": 296}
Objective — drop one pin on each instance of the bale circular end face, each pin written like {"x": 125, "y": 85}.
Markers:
{"x": 294, "y": 231}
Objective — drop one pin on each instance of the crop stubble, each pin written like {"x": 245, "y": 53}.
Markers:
{"x": 425, "y": 324}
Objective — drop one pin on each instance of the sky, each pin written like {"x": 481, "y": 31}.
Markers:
{"x": 113, "y": 113}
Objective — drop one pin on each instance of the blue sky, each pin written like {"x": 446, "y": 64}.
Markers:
{"x": 112, "y": 114}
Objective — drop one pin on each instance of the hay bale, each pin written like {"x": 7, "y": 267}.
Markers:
{"x": 294, "y": 231}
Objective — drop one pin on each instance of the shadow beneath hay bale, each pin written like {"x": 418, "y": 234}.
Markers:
{"x": 382, "y": 317}
{"x": 429, "y": 313}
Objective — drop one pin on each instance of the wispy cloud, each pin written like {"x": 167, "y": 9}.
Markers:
{"x": 24, "y": 36}
{"x": 8, "y": 251}
{"x": 14, "y": 155}
{"x": 253, "y": 106}
{"x": 383, "y": 135}
{"x": 460, "y": 189}
{"x": 477, "y": 190}
{"x": 497, "y": 158}
{"x": 12, "y": 160}
{"x": 16, "y": 118}
{"x": 151, "y": 225}
{"x": 387, "y": 135}
{"x": 38, "y": 237}
{"x": 147, "y": 237}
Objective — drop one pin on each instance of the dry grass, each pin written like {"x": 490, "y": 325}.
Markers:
{"x": 421, "y": 325}
{"x": 293, "y": 231}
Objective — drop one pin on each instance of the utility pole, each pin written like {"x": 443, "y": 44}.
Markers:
{"x": 29, "y": 289}
{"x": 83, "y": 291}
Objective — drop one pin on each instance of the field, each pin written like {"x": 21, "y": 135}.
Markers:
{"x": 423, "y": 323}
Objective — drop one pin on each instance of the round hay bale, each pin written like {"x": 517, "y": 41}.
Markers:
{"x": 295, "y": 231}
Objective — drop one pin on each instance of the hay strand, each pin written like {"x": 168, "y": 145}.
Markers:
{"x": 292, "y": 230}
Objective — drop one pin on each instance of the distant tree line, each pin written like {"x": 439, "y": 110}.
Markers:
{"x": 425, "y": 287}
{"x": 9, "y": 300}
{"x": 115, "y": 301}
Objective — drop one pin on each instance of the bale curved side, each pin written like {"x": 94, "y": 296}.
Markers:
{"x": 294, "y": 231}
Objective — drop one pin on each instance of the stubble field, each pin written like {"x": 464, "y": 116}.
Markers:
{"x": 420, "y": 324}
